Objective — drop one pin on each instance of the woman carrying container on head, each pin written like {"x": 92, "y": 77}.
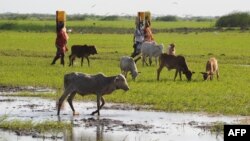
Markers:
{"x": 61, "y": 42}
{"x": 137, "y": 39}
{"x": 148, "y": 35}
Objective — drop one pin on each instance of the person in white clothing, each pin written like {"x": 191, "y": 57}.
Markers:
{"x": 137, "y": 39}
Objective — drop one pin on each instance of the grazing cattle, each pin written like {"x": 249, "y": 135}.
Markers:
{"x": 85, "y": 84}
{"x": 171, "y": 49}
{"x": 174, "y": 62}
{"x": 128, "y": 64}
{"x": 150, "y": 50}
{"x": 81, "y": 51}
{"x": 211, "y": 69}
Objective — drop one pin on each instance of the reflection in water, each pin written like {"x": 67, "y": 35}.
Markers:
{"x": 99, "y": 130}
{"x": 113, "y": 124}
{"x": 76, "y": 134}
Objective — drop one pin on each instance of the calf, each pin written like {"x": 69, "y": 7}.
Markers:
{"x": 211, "y": 69}
{"x": 85, "y": 84}
{"x": 128, "y": 64}
{"x": 81, "y": 51}
{"x": 174, "y": 62}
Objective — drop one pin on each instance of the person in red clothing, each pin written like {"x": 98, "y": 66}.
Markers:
{"x": 148, "y": 33}
{"x": 61, "y": 42}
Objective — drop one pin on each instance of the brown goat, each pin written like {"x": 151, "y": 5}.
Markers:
{"x": 211, "y": 69}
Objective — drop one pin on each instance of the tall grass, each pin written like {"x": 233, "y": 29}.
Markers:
{"x": 25, "y": 59}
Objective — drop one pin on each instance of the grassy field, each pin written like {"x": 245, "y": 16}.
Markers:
{"x": 25, "y": 59}
{"x": 97, "y": 26}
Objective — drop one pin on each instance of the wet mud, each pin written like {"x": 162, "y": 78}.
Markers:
{"x": 116, "y": 122}
{"x": 17, "y": 89}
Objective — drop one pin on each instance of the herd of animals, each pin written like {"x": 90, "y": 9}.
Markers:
{"x": 100, "y": 85}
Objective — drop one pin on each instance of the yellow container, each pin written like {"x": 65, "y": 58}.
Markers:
{"x": 141, "y": 16}
{"x": 60, "y": 16}
{"x": 148, "y": 16}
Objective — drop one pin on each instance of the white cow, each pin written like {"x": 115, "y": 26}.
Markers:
{"x": 85, "y": 84}
{"x": 150, "y": 50}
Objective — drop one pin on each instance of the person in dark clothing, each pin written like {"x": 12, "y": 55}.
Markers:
{"x": 61, "y": 42}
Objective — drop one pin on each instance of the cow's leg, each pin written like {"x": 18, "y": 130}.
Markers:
{"x": 180, "y": 75}
{"x": 156, "y": 60}
{"x": 70, "y": 99}
{"x": 176, "y": 72}
{"x": 98, "y": 98}
{"x": 143, "y": 59}
{"x": 125, "y": 74}
{"x": 159, "y": 71}
{"x": 62, "y": 98}
{"x": 70, "y": 60}
{"x": 103, "y": 102}
{"x": 150, "y": 60}
{"x": 88, "y": 60}
{"x": 82, "y": 61}
{"x": 217, "y": 74}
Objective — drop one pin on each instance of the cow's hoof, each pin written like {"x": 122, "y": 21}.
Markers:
{"x": 75, "y": 113}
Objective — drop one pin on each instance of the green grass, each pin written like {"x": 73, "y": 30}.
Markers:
{"x": 97, "y": 26}
{"x": 40, "y": 127}
{"x": 25, "y": 59}
{"x": 115, "y": 24}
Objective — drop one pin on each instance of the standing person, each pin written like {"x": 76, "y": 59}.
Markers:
{"x": 148, "y": 33}
{"x": 137, "y": 39}
{"x": 61, "y": 42}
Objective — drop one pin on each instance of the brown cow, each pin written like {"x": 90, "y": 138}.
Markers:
{"x": 211, "y": 69}
{"x": 174, "y": 62}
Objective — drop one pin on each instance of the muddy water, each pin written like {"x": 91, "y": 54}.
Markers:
{"x": 114, "y": 124}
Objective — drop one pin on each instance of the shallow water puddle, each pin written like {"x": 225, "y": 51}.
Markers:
{"x": 113, "y": 124}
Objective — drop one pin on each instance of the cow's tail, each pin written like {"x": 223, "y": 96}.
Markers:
{"x": 160, "y": 59}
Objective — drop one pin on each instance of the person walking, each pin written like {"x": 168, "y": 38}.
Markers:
{"x": 60, "y": 43}
{"x": 148, "y": 35}
{"x": 137, "y": 39}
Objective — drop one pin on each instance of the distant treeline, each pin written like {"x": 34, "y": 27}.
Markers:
{"x": 172, "y": 18}
{"x": 10, "y": 21}
{"x": 238, "y": 19}
{"x": 75, "y": 17}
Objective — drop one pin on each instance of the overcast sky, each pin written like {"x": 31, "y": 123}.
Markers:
{"x": 130, "y": 7}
